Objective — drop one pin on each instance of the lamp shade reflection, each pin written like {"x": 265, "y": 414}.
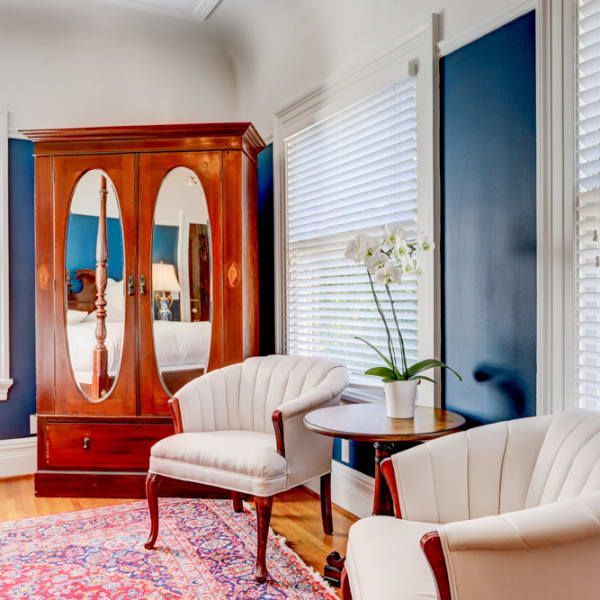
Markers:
{"x": 164, "y": 283}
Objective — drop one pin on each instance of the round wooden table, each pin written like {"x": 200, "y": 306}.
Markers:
{"x": 369, "y": 423}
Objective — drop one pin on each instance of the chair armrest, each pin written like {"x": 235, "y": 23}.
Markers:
{"x": 532, "y": 553}
{"x": 307, "y": 454}
{"x": 306, "y": 402}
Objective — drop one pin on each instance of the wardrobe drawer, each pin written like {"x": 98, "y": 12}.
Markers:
{"x": 101, "y": 445}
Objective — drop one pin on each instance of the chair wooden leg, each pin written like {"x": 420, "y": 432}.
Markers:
{"x": 238, "y": 505}
{"x": 152, "y": 484}
{"x": 345, "y": 586}
{"x": 326, "y": 514}
{"x": 263, "y": 518}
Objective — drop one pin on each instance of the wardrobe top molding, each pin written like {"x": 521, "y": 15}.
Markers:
{"x": 147, "y": 138}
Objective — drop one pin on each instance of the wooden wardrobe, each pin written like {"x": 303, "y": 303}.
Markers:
{"x": 116, "y": 212}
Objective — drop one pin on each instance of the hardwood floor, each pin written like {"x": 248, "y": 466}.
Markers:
{"x": 296, "y": 516}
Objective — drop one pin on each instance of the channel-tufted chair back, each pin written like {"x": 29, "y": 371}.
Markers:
{"x": 243, "y": 396}
{"x": 500, "y": 468}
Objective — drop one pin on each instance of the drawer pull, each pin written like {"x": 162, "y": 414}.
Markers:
{"x": 86, "y": 443}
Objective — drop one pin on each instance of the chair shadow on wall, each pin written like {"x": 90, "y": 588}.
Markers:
{"x": 507, "y": 383}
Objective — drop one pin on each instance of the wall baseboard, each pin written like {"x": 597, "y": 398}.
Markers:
{"x": 350, "y": 489}
{"x": 18, "y": 457}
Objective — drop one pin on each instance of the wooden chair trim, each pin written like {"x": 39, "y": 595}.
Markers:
{"x": 431, "y": 544}
{"x": 387, "y": 469}
{"x": 176, "y": 413}
{"x": 277, "y": 419}
{"x": 345, "y": 586}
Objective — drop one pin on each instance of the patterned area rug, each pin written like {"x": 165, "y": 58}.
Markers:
{"x": 204, "y": 550}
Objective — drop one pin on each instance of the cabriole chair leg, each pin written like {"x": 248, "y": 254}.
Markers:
{"x": 263, "y": 518}
{"x": 152, "y": 484}
{"x": 326, "y": 514}
{"x": 238, "y": 505}
{"x": 345, "y": 586}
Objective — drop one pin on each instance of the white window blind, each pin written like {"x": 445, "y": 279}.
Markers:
{"x": 350, "y": 173}
{"x": 588, "y": 203}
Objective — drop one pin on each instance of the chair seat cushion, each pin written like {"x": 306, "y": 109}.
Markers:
{"x": 243, "y": 461}
{"x": 384, "y": 560}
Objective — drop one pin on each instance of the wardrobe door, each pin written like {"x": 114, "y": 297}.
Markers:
{"x": 180, "y": 264}
{"x": 95, "y": 229}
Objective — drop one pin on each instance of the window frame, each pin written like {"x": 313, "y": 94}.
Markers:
{"x": 5, "y": 380}
{"x": 414, "y": 55}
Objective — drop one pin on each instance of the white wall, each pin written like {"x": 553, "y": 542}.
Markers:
{"x": 70, "y": 63}
{"x": 284, "y": 48}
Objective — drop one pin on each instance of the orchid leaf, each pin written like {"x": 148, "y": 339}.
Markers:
{"x": 382, "y": 372}
{"x": 425, "y": 378}
{"x": 387, "y": 361}
{"x": 429, "y": 363}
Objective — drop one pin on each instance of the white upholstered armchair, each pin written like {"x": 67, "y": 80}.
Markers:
{"x": 509, "y": 511}
{"x": 241, "y": 428}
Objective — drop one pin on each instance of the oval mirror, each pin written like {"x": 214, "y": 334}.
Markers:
{"x": 181, "y": 279}
{"x": 95, "y": 311}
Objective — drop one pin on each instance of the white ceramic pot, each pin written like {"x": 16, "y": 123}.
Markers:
{"x": 400, "y": 398}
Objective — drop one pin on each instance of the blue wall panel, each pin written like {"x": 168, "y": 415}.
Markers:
{"x": 489, "y": 223}
{"x": 14, "y": 414}
{"x": 266, "y": 256}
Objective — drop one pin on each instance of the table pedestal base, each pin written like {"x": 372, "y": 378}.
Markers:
{"x": 382, "y": 505}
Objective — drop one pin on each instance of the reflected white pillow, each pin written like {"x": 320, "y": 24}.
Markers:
{"x": 76, "y": 316}
{"x": 115, "y": 301}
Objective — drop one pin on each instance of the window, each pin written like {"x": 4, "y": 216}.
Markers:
{"x": 352, "y": 172}
{"x": 588, "y": 204}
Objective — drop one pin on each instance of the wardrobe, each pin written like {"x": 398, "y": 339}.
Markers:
{"x": 146, "y": 277}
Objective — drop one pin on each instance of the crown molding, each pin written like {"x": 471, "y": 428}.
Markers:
{"x": 205, "y": 8}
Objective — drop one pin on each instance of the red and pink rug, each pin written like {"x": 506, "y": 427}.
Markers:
{"x": 204, "y": 550}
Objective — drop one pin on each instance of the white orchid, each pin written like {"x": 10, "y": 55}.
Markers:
{"x": 356, "y": 248}
{"x": 424, "y": 244}
{"x": 387, "y": 274}
{"x": 377, "y": 261}
{"x": 387, "y": 257}
{"x": 394, "y": 233}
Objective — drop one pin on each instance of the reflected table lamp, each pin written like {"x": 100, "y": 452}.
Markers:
{"x": 164, "y": 284}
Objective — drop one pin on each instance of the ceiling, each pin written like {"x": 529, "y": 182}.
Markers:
{"x": 193, "y": 10}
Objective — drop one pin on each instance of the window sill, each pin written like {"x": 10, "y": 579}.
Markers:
{"x": 356, "y": 394}
{"x": 4, "y": 387}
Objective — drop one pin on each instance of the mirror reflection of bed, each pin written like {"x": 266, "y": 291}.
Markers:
{"x": 97, "y": 283}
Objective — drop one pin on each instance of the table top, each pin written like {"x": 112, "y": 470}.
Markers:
{"x": 369, "y": 423}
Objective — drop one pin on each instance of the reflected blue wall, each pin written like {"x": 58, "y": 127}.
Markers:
{"x": 81, "y": 246}
{"x": 489, "y": 223}
{"x": 14, "y": 414}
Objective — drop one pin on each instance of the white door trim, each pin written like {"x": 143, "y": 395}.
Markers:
{"x": 5, "y": 380}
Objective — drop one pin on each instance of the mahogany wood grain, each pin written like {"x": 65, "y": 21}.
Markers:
{"x": 153, "y": 481}
{"x": 175, "y": 380}
{"x": 100, "y": 446}
{"x": 69, "y": 397}
{"x": 176, "y": 414}
{"x": 250, "y": 263}
{"x": 431, "y": 545}
{"x": 148, "y": 138}
{"x": 85, "y": 298}
{"x": 153, "y": 168}
{"x": 233, "y": 258}
{"x": 326, "y": 515}
{"x": 387, "y": 470}
{"x": 345, "y": 590}
{"x": 135, "y": 160}
{"x": 44, "y": 285}
{"x": 277, "y": 419}
{"x": 100, "y": 380}
{"x": 264, "y": 507}
{"x": 369, "y": 423}
{"x": 237, "y": 499}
